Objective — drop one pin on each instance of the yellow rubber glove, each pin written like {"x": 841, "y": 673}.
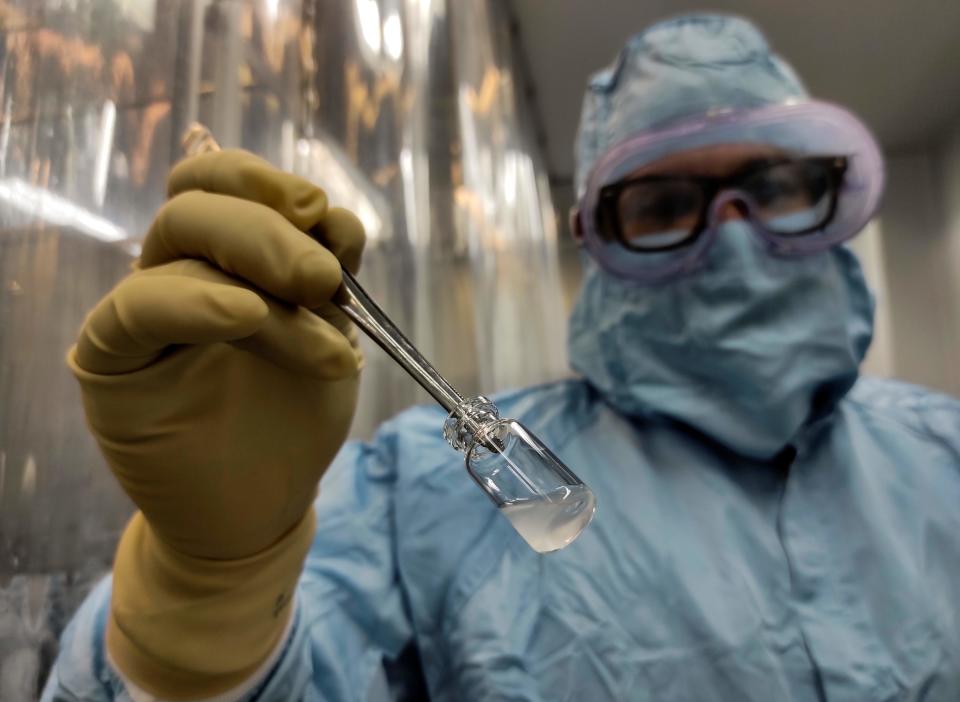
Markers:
{"x": 218, "y": 400}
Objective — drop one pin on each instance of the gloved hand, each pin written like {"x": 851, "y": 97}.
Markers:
{"x": 218, "y": 399}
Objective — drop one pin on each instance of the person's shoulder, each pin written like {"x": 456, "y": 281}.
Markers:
{"x": 413, "y": 441}
{"x": 916, "y": 408}
{"x": 888, "y": 395}
{"x": 539, "y": 406}
{"x": 545, "y": 402}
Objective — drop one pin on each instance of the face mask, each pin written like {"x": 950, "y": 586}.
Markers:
{"x": 746, "y": 350}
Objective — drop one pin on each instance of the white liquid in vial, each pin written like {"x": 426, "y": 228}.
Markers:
{"x": 551, "y": 522}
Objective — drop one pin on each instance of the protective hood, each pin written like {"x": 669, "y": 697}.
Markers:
{"x": 680, "y": 68}
{"x": 746, "y": 351}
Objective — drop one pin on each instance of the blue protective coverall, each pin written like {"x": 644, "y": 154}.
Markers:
{"x": 769, "y": 526}
{"x": 830, "y": 570}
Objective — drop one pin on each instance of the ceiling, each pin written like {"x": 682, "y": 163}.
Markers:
{"x": 895, "y": 63}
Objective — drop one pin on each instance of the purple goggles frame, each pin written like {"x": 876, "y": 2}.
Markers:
{"x": 810, "y": 128}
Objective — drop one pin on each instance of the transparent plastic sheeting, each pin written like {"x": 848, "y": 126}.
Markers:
{"x": 409, "y": 112}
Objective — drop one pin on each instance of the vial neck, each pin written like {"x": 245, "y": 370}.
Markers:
{"x": 469, "y": 421}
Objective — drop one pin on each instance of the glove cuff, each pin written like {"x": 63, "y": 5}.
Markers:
{"x": 183, "y": 627}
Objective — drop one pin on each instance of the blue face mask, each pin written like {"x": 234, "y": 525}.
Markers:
{"x": 746, "y": 350}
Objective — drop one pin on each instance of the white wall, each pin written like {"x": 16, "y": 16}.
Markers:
{"x": 869, "y": 248}
{"x": 919, "y": 225}
{"x": 947, "y": 168}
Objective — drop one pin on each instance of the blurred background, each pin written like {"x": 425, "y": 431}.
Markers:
{"x": 448, "y": 127}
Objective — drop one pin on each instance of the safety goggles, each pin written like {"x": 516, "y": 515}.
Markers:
{"x": 820, "y": 189}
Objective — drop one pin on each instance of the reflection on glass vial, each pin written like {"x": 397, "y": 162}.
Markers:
{"x": 545, "y": 502}
{"x": 553, "y": 521}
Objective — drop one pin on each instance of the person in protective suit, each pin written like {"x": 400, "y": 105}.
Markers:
{"x": 770, "y": 526}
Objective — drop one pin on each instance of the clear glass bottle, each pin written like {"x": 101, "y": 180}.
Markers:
{"x": 545, "y": 501}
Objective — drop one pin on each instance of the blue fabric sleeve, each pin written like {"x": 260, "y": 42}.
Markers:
{"x": 352, "y": 615}
{"x": 81, "y": 671}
